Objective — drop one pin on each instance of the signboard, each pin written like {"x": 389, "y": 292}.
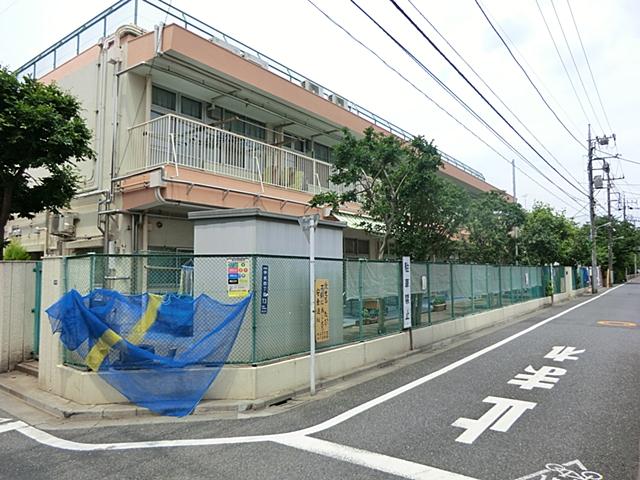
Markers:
{"x": 406, "y": 292}
{"x": 322, "y": 310}
{"x": 238, "y": 277}
{"x": 264, "y": 295}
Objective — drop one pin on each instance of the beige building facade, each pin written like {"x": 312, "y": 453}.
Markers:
{"x": 183, "y": 120}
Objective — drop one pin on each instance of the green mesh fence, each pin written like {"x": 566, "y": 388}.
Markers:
{"x": 365, "y": 296}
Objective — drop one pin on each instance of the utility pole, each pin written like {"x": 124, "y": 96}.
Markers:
{"x": 592, "y": 218}
{"x": 592, "y": 205}
{"x": 515, "y": 199}
{"x": 610, "y": 229}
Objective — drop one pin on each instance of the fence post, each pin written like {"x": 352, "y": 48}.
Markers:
{"x": 473, "y": 300}
{"x": 254, "y": 326}
{"x": 499, "y": 286}
{"x": 510, "y": 285}
{"x": 486, "y": 276}
{"x": 92, "y": 271}
{"x": 429, "y": 293}
{"x": 360, "y": 300}
{"x": 453, "y": 315}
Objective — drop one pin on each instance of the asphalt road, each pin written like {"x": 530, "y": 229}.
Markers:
{"x": 549, "y": 397}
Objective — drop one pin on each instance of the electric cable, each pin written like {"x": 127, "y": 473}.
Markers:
{"x": 480, "y": 94}
{"x": 413, "y": 85}
{"x": 575, "y": 24}
{"x": 575, "y": 65}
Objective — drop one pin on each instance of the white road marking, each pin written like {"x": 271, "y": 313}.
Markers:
{"x": 56, "y": 442}
{"x": 562, "y": 353}
{"x": 583, "y": 473}
{"x": 7, "y": 427}
{"x": 371, "y": 460}
{"x": 544, "y": 377}
{"x": 499, "y": 418}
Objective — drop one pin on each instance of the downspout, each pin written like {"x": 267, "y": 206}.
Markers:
{"x": 114, "y": 143}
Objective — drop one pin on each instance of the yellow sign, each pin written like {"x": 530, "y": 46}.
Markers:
{"x": 617, "y": 323}
{"x": 322, "y": 310}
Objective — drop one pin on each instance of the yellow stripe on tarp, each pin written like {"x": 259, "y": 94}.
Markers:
{"x": 147, "y": 319}
{"x": 109, "y": 338}
{"x": 100, "y": 350}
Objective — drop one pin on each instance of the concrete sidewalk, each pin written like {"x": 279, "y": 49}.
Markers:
{"x": 25, "y": 387}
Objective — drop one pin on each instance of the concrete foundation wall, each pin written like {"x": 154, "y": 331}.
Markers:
{"x": 17, "y": 296}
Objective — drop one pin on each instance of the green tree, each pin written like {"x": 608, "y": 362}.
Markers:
{"x": 490, "y": 226}
{"x": 548, "y": 237}
{"x": 41, "y": 134}
{"x": 15, "y": 251}
{"x": 397, "y": 185}
{"x": 433, "y": 220}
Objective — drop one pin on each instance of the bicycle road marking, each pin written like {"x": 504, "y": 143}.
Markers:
{"x": 579, "y": 473}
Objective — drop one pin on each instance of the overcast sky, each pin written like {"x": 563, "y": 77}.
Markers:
{"x": 299, "y": 36}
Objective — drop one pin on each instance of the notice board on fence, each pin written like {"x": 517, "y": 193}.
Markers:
{"x": 322, "y": 310}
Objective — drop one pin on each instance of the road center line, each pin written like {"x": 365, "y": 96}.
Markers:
{"x": 56, "y": 442}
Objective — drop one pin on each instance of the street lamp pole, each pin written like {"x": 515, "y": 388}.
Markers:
{"x": 309, "y": 224}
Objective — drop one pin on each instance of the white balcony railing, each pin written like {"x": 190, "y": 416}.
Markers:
{"x": 171, "y": 139}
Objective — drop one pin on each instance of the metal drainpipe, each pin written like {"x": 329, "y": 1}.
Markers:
{"x": 117, "y": 65}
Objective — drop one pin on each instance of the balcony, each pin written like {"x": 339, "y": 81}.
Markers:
{"x": 181, "y": 142}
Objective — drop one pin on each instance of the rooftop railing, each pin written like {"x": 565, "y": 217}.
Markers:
{"x": 145, "y": 13}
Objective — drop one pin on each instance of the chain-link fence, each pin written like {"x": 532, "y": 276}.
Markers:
{"x": 364, "y": 296}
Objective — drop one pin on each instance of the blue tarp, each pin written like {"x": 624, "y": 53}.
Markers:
{"x": 161, "y": 352}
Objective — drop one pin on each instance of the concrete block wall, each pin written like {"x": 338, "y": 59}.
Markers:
{"x": 17, "y": 298}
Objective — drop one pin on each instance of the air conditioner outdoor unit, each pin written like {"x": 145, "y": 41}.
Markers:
{"x": 313, "y": 87}
{"x": 63, "y": 225}
{"x": 338, "y": 100}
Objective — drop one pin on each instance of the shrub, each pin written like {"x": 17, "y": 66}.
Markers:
{"x": 15, "y": 251}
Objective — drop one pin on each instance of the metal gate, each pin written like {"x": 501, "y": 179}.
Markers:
{"x": 37, "y": 270}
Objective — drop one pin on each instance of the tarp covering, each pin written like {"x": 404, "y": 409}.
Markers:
{"x": 161, "y": 352}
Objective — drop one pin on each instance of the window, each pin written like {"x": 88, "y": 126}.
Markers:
{"x": 354, "y": 247}
{"x": 322, "y": 152}
{"x": 244, "y": 125}
{"x": 293, "y": 143}
{"x": 163, "y": 98}
{"x": 192, "y": 108}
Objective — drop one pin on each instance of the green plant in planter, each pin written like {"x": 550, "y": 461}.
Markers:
{"x": 438, "y": 303}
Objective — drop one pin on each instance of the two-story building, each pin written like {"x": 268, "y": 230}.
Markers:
{"x": 186, "y": 118}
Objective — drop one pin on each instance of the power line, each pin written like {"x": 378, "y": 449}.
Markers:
{"x": 589, "y": 66}
{"x": 575, "y": 65}
{"x": 628, "y": 160}
{"x": 426, "y": 37}
{"x": 566, "y": 71}
{"x": 531, "y": 69}
{"x": 493, "y": 92}
{"x": 544, "y": 100}
{"x": 413, "y": 85}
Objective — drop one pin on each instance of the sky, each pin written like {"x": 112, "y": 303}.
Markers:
{"x": 298, "y": 35}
